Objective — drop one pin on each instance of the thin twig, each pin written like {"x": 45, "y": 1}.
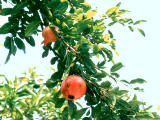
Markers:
{"x": 70, "y": 47}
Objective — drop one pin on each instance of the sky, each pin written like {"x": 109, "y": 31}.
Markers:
{"x": 140, "y": 55}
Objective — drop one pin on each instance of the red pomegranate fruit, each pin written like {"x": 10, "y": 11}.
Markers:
{"x": 49, "y": 35}
{"x": 73, "y": 87}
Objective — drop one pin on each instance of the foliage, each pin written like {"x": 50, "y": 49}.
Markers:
{"x": 85, "y": 47}
{"x": 25, "y": 95}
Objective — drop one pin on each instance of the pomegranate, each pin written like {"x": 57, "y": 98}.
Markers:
{"x": 73, "y": 87}
{"x": 49, "y": 35}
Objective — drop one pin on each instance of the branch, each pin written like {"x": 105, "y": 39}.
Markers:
{"x": 70, "y": 47}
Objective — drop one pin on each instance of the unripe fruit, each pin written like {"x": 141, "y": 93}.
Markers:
{"x": 73, "y": 87}
{"x": 49, "y": 35}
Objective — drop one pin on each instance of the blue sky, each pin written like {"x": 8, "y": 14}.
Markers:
{"x": 139, "y": 55}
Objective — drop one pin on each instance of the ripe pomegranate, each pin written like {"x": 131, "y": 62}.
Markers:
{"x": 49, "y": 35}
{"x": 73, "y": 87}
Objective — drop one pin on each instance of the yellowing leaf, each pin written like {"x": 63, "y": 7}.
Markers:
{"x": 122, "y": 18}
{"x": 101, "y": 23}
{"x": 90, "y": 13}
{"x": 25, "y": 79}
{"x": 85, "y": 3}
{"x": 62, "y": 0}
{"x": 40, "y": 80}
{"x": 1, "y": 45}
{"x": 106, "y": 38}
{"x": 115, "y": 51}
{"x": 79, "y": 11}
{"x": 58, "y": 21}
{"x": 113, "y": 40}
{"x": 117, "y": 10}
{"x": 34, "y": 74}
{"x": 53, "y": 69}
{"x": 97, "y": 56}
{"x": 80, "y": 16}
{"x": 100, "y": 47}
{"x": 158, "y": 108}
{"x": 72, "y": 65}
{"x": 30, "y": 70}
{"x": 50, "y": 13}
{"x": 111, "y": 10}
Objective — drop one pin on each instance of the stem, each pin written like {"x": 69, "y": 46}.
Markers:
{"x": 71, "y": 48}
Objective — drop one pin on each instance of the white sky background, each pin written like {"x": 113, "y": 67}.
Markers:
{"x": 139, "y": 55}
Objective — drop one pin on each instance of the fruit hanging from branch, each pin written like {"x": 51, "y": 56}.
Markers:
{"x": 73, "y": 87}
{"x": 49, "y": 35}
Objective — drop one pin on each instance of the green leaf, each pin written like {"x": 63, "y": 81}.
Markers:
{"x": 85, "y": 6}
{"x": 6, "y": 11}
{"x": 141, "y": 31}
{"x": 7, "y": 42}
{"x": 30, "y": 40}
{"x": 138, "y": 80}
{"x": 108, "y": 53}
{"x": 122, "y": 104}
{"x": 82, "y": 26}
{"x": 119, "y": 4}
{"x": 72, "y": 108}
{"x": 116, "y": 75}
{"x": 139, "y": 22}
{"x": 69, "y": 59}
{"x": 122, "y": 11}
{"x": 36, "y": 86}
{"x": 32, "y": 27}
{"x": 106, "y": 84}
{"x": 100, "y": 75}
{"x": 101, "y": 64}
{"x": 122, "y": 92}
{"x": 45, "y": 53}
{"x": 56, "y": 76}
{"x": 59, "y": 102}
{"x": 88, "y": 112}
{"x": 77, "y": 103}
{"x": 18, "y": 7}
{"x": 148, "y": 108}
{"x": 84, "y": 48}
{"x": 65, "y": 113}
{"x": 51, "y": 84}
{"x": 5, "y": 28}
{"x": 20, "y": 44}
{"x": 53, "y": 3}
{"x": 80, "y": 113}
{"x": 95, "y": 49}
{"x": 53, "y": 60}
{"x": 111, "y": 23}
{"x": 146, "y": 116}
{"x": 131, "y": 28}
{"x": 13, "y": 48}
{"x": 125, "y": 81}
{"x": 22, "y": 93}
{"x": 62, "y": 7}
{"x": 8, "y": 57}
{"x": 86, "y": 118}
{"x": 116, "y": 67}
{"x": 89, "y": 65}
{"x": 139, "y": 89}
{"x": 111, "y": 34}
